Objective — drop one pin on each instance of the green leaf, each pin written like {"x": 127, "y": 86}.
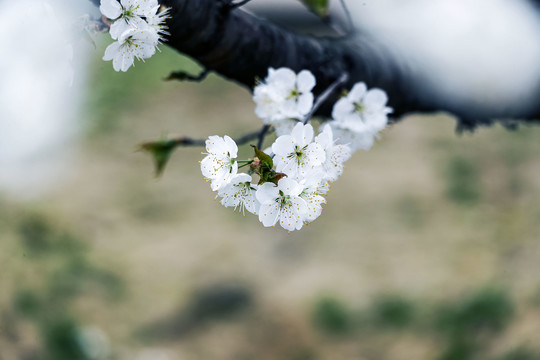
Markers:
{"x": 266, "y": 159}
{"x": 319, "y": 7}
{"x": 161, "y": 153}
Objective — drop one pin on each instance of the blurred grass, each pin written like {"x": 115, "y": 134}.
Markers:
{"x": 112, "y": 91}
{"x": 411, "y": 235}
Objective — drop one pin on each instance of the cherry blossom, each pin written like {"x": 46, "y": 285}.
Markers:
{"x": 297, "y": 154}
{"x": 312, "y": 191}
{"x": 132, "y": 44}
{"x": 128, "y": 13}
{"x": 220, "y": 166}
{"x": 239, "y": 193}
{"x": 282, "y": 202}
{"x": 336, "y": 154}
{"x": 296, "y": 171}
{"x": 359, "y": 116}
{"x": 284, "y": 95}
{"x": 139, "y": 28}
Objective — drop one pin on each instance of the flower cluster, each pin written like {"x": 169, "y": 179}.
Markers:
{"x": 291, "y": 185}
{"x": 284, "y": 98}
{"x": 138, "y": 28}
{"x": 359, "y": 116}
{"x": 288, "y": 182}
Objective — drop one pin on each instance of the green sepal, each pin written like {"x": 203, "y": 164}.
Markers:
{"x": 276, "y": 176}
{"x": 271, "y": 176}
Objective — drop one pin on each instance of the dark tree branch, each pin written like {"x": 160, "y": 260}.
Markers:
{"x": 184, "y": 76}
{"x": 242, "y": 47}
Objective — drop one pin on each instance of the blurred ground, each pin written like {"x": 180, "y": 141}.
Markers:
{"x": 428, "y": 247}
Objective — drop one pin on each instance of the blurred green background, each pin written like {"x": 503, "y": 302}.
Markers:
{"x": 428, "y": 247}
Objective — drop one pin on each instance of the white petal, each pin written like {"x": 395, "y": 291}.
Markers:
{"x": 137, "y": 23}
{"x": 302, "y": 134}
{"x": 290, "y": 187}
{"x": 241, "y": 178}
{"x": 375, "y": 99}
{"x": 118, "y": 28}
{"x": 267, "y": 193}
{"x": 314, "y": 207}
{"x": 126, "y": 60}
{"x": 289, "y": 219}
{"x": 110, "y": 8}
{"x": 304, "y": 104}
{"x": 269, "y": 214}
{"x": 252, "y": 204}
{"x": 232, "y": 148}
{"x": 376, "y": 122}
{"x": 146, "y": 7}
{"x": 229, "y": 200}
{"x": 305, "y": 81}
{"x": 289, "y": 109}
{"x": 145, "y": 51}
{"x": 209, "y": 166}
{"x": 214, "y": 145}
{"x": 282, "y": 77}
{"x": 111, "y": 51}
{"x": 342, "y": 108}
{"x": 223, "y": 177}
{"x": 292, "y": 216}
{"x": 362, "y": 141}
{"x": 357, "y": 92}
{"x": 146, "y": 35}
{"x": 315, "y": 154}
{"x": 287, "y": 165}
{"x": 326, "y": 137}
{"x": 283, "y": 145}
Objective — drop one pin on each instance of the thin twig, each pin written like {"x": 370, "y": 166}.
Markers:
{"x": 262, "y": 135}
{"x": 187, "y": 141}
{"x": 249, "y": 137}
{"x": 324, "y": 96}
{"x": 184, "y": 76}
{"x": 348, "y": 15}
{"x": 238, "y": 4}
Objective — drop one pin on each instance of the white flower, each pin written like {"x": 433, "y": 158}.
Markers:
{"x": 360, "y": 115}
{"x": 128, "y": 13}
{"x": 240, "y": 193}
{"x": 284, "y": 95}
{"x": 311, "y": 193}
{"x": 219, "y": 165}
{"x": 157, "y": 20}
{"x": 133, "y": 43}
{"x": 282, "y": 203}
{"x": 336, "y": 154}
{"x": 296, "y": 154}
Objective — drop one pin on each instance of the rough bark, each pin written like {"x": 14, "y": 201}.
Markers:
{"x": 241, "y": 47}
